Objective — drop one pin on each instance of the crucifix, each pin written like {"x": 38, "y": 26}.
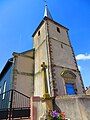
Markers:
{"x": 45, "y": 85}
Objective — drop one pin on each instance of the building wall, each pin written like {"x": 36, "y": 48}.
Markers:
{"x": 62, "y": 36}
{"x": 8, "y": 78}
{"x": 54, "y": 48}
{"x": 41, "y": 55}
{"x": 62, "y": 58}
{"x": 23, "y": 73}
{"x": 88, "y": 91}
{"x": 5, "y": 86}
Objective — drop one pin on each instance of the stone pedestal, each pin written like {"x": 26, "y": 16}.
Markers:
{"x": 39, "y": 106}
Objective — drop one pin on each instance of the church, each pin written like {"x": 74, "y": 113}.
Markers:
{"x": 46, "y": 76}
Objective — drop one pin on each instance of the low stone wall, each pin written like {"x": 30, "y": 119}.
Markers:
{"x": 75, "y": 107}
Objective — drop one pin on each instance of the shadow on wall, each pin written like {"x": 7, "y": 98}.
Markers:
{"x": 55, "y": 107}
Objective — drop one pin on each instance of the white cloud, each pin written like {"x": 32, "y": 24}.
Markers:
{"x": 83, "y": 57}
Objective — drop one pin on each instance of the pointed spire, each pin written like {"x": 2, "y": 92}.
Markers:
{"x": 47, "y": 13}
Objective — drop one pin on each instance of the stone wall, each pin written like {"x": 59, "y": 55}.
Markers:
{"x": 75, "y": 107}
{"x": 23, "y": 71}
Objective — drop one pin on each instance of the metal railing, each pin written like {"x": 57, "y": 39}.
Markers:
{"x": 4, "y": 101}
{"x": 14, "y": 104}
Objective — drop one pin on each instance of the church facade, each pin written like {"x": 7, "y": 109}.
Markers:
{"x": 52, "y": 46}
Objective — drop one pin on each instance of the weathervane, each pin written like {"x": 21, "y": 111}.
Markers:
{"x": 45, "y": 2}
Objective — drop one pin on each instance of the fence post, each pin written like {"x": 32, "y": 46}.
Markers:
{"x": 11, "y": 100}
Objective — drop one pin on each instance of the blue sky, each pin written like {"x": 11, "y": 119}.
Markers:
{"x": 19, "y": 19}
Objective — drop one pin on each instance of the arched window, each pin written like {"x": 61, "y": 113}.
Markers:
{"x": 69, "y": 79}
{"x": 68, "y": 74}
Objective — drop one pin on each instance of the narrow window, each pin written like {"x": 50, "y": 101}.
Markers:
{"x": 61, "y": 46}
{"x": 4, "y": 89}
{"x": 67, "y": 34}
{"x": 58, "y": 30}
{"x": 38, "y": 33}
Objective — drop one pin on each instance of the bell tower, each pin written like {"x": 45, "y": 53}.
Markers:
{"x": 52, "y": 46}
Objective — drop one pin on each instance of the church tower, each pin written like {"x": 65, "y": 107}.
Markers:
{"x": 52, "y": 46}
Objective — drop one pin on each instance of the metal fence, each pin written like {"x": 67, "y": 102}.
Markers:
{"x": 14, "y": 104}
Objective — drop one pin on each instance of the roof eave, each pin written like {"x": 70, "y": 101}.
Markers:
{"x": 6, "y": 67}
{"x": 38, "y": 27}
{"x": 46, "y": 18}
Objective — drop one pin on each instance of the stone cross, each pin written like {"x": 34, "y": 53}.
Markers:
{"x": 45, "y": 85}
